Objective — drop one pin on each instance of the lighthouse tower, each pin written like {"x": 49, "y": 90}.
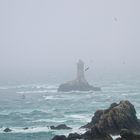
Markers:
{"x": 80, "y": 71}
{"x": 80, "y": 83}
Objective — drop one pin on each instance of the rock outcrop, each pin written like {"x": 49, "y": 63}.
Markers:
{"x": 116, "y": 117}
{"x": 80, "y": 83}
{"x": 61, "y": 137}
{"x": 7, "y": 130}
{"x": 77, "y": 85}
{"x": 96, "y": 134}
{"x": 74, "y": 136}
{"x": 128, "y": 135}
{"x": 93, "y": 134}
{"x": 59, "y": 127}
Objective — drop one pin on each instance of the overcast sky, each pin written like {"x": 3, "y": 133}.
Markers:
{"x": 40, "y": 39}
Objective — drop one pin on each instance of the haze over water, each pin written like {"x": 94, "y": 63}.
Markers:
{"x": 40, "y": 43}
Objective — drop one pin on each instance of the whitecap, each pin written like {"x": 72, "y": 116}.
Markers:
{"x": 83, "y": 118}
{"x": 114, "y": 137}
{"x": 29, "y": 130}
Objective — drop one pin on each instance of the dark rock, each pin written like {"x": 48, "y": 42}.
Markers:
{"x": 7, "y": 130}
{"x": 128, "y": 135}
{"x": 92, "y": 134}
{"x": 74, "y": 136}
{"x": 116, "y": 117}
{"x": 25, "y": 128}
{"x": 77, "y": 86}
{"x": 59, "y": 127}
{"x": 96, "y": 134}
{"x": 61, "y": 137}
{"x": 119, "y": 138}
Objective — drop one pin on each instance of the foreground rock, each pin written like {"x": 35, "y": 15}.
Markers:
{"x": 114, "y": 120}
{"x": 74, "y": 136}
{"x": 80, "y": 83}
{"x": 93, "y": 134}
{"x": 59, "y": 127}
{"x": 116, "y": 117}
{"x": 7, "y": 130}
{"x": 61, "y": 137}
{"x": 96, "y": 134}
{"x": 128, "y": 135}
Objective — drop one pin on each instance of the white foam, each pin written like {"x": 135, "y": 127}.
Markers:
{"x": 66, "y": 132}
{"x": 50, "y": 120}
{"x": 33, "y": 91}
{"x": 114, "y": 137}
{"x": 29, "y": 130}
{"x": 83, "y": 118}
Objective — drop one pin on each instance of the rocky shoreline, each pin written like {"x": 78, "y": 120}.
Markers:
{"x": 118, "y": 119}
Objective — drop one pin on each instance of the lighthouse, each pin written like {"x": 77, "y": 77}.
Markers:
{"x": 80, "y": 83}
{"x": 80, "y": 71}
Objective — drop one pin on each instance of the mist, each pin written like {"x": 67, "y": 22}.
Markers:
{"x": 43, "y": 40}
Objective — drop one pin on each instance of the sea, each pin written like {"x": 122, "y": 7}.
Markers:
{"x": 30, "y": 109}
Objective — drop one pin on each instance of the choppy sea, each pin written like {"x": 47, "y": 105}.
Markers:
{"x": 37, "y": 106}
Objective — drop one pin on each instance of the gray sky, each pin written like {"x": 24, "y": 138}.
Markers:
{"x": 40, "y": 39}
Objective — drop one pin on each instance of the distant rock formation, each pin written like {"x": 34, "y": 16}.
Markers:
{"x": 59, "y": 127}
{"x": 80, "y": 83}
{"x": 7, "y": 130}
{"x": 116, "y": 117}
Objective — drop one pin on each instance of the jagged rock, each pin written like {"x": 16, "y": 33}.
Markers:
{"x": 116, "y": 117}
{"x": 96, "y": 134}
{"x": 128, "y": 135}
{"x": 74, "y": 136}
{"x": 92, "y": 134}
{"x": 59, "y": 127}
{"x": 61, "y": 137}
{"x": 7, "y": 130}
{"x": 80, "y": 84}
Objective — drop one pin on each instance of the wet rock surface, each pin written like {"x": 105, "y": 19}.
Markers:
{"x": 61, "y": 126}
{"x": 92, "y": 134}
{"x": 96, "y": 134}
{"x": 128, "y": 135}
{"x": 61, "y": 137}
{"x": 116, "y": 117}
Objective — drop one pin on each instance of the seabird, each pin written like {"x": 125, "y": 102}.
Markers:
{"x": 87, "y": 69}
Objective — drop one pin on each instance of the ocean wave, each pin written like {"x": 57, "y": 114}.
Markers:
{"x": 36, "y": 91}
{"x": 30, "y": 86}
{"x": 51, "y": 120}
{"x": 42, "y": 129}
{"x": 23, "y": 115}
{"x": 79, "y": 117}
{"x": 26, "y": 130}
{"x": 76, "y": 91}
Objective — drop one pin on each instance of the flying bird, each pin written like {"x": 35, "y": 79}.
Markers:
{"x": 87, "y": 69}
